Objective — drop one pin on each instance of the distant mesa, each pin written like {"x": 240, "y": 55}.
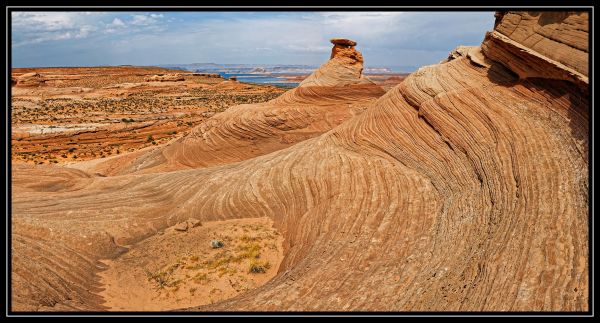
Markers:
{"x": 211, "y": 75}
{"x": 258, "y": 70}
{"x": 233, "y": 78}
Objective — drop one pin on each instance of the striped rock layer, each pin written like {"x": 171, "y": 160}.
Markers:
{"x": 464, "y": 188}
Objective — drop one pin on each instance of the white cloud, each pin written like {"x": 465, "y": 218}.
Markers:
{"x": 117, "y": 23}
{"x": 37, "y": 27}
{"x": 114, "y": 26}
{"x": 47, "y": 20}
{"x": 146, "y": 20}
{"x": 84, "y": 31}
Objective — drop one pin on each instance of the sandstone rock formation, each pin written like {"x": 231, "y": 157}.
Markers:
{"x": 331, "y": 95}
{"x": 344, "y": 67}
{"x": 30, "y": 79}
{"x": 549, "y": 45}
{"x": 464, "y": 188}
{"x": 165, "y": 78}
{"x": 341, "y": 45}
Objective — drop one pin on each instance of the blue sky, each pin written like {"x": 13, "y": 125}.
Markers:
{"x": 151, "y": 38}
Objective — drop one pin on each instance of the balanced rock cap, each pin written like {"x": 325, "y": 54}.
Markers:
{"x": 343, "y": 42}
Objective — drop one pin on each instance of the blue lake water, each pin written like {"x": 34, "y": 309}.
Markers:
{"x": 260, "y": 79}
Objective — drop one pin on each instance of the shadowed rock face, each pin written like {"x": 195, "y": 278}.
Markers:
{"x": 464, "y": 188}
{"x": 551, "y": 45}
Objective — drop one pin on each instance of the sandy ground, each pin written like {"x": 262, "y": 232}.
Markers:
{"x": 178, "y": 269}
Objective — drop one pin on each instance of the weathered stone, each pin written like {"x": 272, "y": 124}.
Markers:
{"x": 343, "y": 42}
{"x": 194, "y": 222}
{"x": 181, "y": 226}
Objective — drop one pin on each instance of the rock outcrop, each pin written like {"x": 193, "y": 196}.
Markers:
{"x": 550, "y": 45}
{"x": 30, "y": 79}
{"x": 165, "y": 78}
{"x": 464, "y": 188}
{"x": 344, "y": 67}
{"x": 334, "y": 93}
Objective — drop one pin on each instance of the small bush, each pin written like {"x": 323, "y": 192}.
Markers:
{"x": 257, "y": 267}
{"x": 216, "y": 244}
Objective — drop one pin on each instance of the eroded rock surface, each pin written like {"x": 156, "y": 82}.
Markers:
{"x": 334, "y": 93}
{"x": 463, "y": 188}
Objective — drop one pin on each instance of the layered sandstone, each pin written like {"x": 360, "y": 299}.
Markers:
{"x": 464, "y": 188}
{"x": 343, "y": 68}
{"x": 333, "y": 94}
{"x": 29, "y": 79}
{"x": 165, "y": 78}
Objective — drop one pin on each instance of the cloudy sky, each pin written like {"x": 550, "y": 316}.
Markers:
{"x": 150, "y": 38}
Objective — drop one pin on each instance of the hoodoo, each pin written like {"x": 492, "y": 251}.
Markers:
{"x": 343, "y": 47}
{"x": 345, "y": 66}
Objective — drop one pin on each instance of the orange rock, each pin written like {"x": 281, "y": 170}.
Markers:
{"x": 463, "y": 188}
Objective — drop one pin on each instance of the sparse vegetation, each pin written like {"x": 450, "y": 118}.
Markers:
{"x": 258, "y": 267}
{"x": 162, "y": 278}
{"x": 192, "y": 107}
{"x": 200, "y": 278}
{"x": 250, "y": 251}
